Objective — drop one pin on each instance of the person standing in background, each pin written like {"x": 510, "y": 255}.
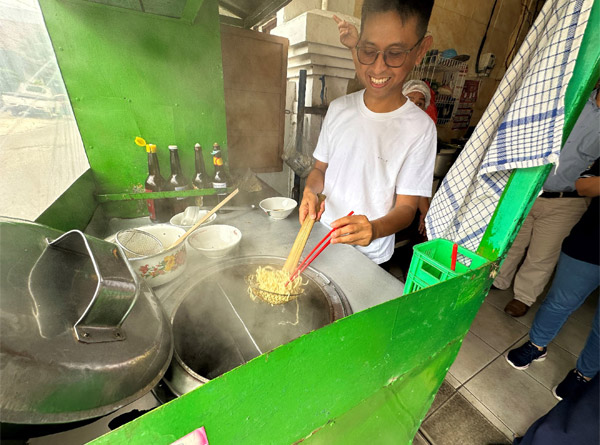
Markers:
{"x": 418, "y": 93}
{"x": 577, "y": 276}
{"x": 552, "y": 216}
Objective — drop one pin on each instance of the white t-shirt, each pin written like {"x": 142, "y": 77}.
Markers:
{"x": 372, "y": 157}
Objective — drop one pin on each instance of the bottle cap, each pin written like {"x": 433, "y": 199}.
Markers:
{"x": 172, "y": 147}
{"x": 151, "y": 148}
{"x": 197, "y": 147}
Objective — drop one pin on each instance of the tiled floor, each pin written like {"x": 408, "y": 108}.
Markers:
{"x": 483, "y": 399}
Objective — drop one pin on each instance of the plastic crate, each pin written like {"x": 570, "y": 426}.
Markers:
{"x": 431, "y": 264}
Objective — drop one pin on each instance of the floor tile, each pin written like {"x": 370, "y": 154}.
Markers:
{"x": 527, "y": 319}
{"x": 474, "y": 354}
{"x": 444, "y": 393}
{"x": 496, "y": 328}
{"x": 457, "y": 422}
{"x": 498, "y": 298}
{"x": 554, "y": 368}
{"x": 513, "y": 396}
{"x": 572, "y": 336}
{"x": 420, "y": 440}
{"x": 487, "y": 413}
{"x": 452, "y": 381}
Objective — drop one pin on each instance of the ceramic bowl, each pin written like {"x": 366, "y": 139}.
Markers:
{"x": 167, "y": 265}
{"x": 215, "y": 241}
{"x": 176, "y": 219}
{"x": 278, "y": 207}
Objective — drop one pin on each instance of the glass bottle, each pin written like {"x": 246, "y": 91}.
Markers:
{"x": 159, "y": 209}
{"x": 200, "y": 180}
{"x": 177, "y": 181}
{"x": 220, "y": 180}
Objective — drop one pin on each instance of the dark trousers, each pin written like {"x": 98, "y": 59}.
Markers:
{"x": 571, "y": 421}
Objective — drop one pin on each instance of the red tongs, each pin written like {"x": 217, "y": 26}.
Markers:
{"x": 306, "y": 262}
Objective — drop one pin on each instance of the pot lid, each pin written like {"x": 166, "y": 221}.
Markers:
{"x": 80, "y": 335}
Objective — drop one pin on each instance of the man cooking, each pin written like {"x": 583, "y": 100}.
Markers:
{"x": 376, "y": 150}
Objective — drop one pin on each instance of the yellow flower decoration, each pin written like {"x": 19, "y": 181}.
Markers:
{"x": 169, "y": 262}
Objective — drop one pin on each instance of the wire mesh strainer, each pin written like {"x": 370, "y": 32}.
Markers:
{"x": 270, "y": 296}
{"x": 137, "y": 243}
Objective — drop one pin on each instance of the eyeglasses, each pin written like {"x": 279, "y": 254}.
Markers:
{"x": 393, "y": 58}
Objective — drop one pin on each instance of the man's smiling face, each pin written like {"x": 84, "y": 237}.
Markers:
{"x": 386, "y": 31}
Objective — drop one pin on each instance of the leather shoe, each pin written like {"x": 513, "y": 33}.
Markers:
{"x": 516, "y": 308}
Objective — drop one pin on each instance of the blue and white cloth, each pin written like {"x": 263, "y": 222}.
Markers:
{"x": 521, "y": 127}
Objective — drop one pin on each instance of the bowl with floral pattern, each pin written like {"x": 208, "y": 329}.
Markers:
{"x": 166, "y": 265}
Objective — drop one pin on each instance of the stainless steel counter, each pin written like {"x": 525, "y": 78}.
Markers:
{"x": 363, "y": 282}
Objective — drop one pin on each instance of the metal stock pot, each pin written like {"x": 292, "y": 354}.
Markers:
{"x": 217, "y": 326}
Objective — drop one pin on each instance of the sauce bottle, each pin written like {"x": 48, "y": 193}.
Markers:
{"x": 177, "y": 181}
{"x": 159, "y": 209}
{"x": 220, "y": 180}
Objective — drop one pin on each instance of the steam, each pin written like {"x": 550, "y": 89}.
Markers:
{"x": 218, "y": 327}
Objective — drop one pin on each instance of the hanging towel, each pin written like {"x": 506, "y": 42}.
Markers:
{"x": 521, "y": 127}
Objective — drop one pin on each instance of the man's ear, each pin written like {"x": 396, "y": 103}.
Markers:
{"x": 423, "y": 48}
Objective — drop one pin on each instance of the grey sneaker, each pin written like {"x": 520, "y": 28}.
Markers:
{"x": 521, "y": 357}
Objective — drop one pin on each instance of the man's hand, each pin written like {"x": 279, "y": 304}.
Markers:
{"x": 348, "y": 33}
{"x": 360, "y": 231}
{"x": 422, "y": 228}
{"x": 308, "y": 206}
{"x": 314, "y": 185}
{"x": 354, "y": 229}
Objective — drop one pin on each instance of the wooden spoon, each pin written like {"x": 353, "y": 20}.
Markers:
{"x": 294, "y": 257}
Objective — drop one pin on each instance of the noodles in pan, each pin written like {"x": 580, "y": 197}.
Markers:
{"x": 268, "y": 284}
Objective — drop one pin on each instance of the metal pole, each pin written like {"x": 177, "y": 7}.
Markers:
{"x": 299, "y": 128}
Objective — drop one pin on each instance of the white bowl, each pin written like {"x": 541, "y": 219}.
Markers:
{"x": 164, "y": 266}
{"x": 176, "y": 219}
{"x": 215, "y": 241}
{"x": 278, "y": 207}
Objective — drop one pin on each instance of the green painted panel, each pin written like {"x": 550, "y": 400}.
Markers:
{"x": 74, "y": 208}
{"x": 289, "y": 393}
{"x": 525, "y": 184}
{"x": 132, "y": 74}
{"x": 390, "y": 416}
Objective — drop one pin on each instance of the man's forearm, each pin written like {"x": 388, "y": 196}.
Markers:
{"x": 588, "y": 186}
{"x": 315, "y": 181}
{"x": 397, "y": 219}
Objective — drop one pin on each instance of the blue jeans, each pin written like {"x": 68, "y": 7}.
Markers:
{"x": 573, "y": 282}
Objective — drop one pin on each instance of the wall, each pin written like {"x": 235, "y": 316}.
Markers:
{"x": 132, "y": 74}
{"x": 461, "y": 25}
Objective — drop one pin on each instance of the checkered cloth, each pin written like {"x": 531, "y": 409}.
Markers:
{"x": 521, "y": 127}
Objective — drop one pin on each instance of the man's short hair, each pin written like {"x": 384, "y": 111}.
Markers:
{"x": 420, "y": 9}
